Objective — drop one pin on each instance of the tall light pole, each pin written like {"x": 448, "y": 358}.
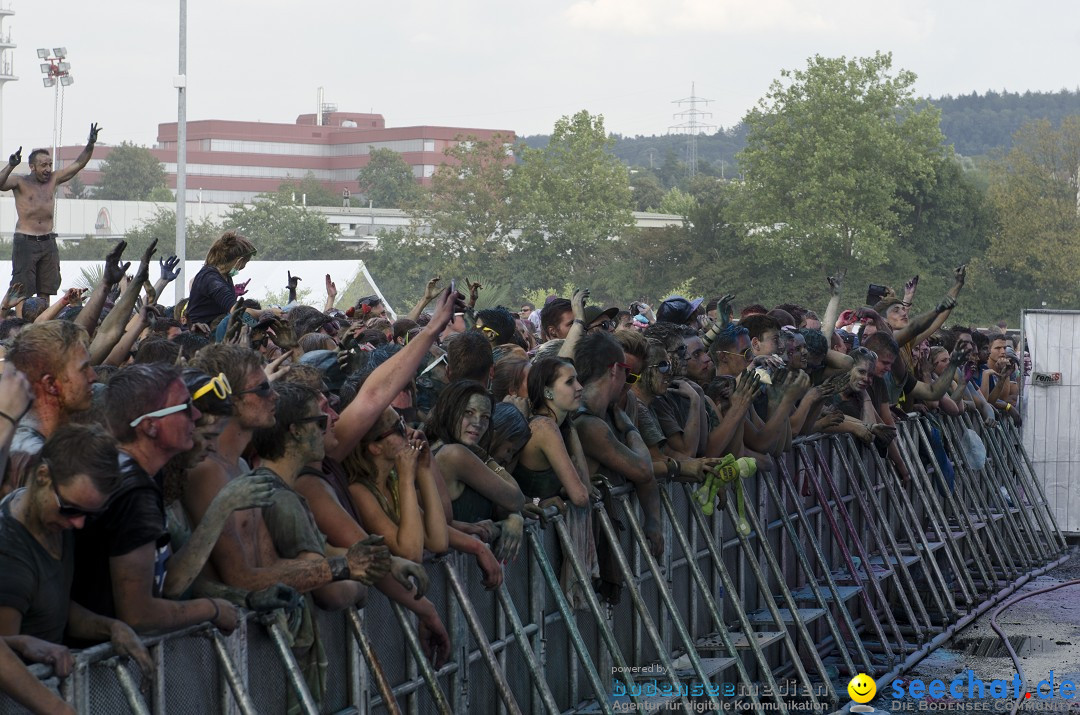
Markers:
{"x": 180, "y": 82}
{"x": 6, "y": 72}
{"x": 57, "y": 71}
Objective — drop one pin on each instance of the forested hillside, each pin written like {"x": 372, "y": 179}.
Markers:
{"x": 975, "y": 124}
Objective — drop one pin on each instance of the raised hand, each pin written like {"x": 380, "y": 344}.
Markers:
{"x": 282, "y": 334}
{"x": 235, "y": 323}
{"x": 94, "y": 129}
{"x": 960, "y": 274}
{"x": 959, "y": 355}
{"x": 144, "y": 265}
{"x": 15, "y": 159}
{"x": 151, "y": 294}
{"x": 836, "y": 281}
{"x": 947, "y": 303}
{"x": 114, "y": 272}
{"x": 170, "y": 270}
{"x": 15, "y": 392}
{"x": 911, "y": 285}
{"x": 294, "y": 281}
{"x": 74, "y": 296}
{"x": 240, "y": 289}
{"x": 431, "y": 291}
{"x": 331, "y": 288}
{"x": 578, "y": 301}
{"x": 369, "y": 560}
{"x": 14, "y": 296}
{"x": 724, "y": 309}
{"x": 746, "y": 389}
{"x": 834, "y": 385}
{"x": 474, "y": 292}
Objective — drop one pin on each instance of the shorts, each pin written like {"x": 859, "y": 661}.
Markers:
{"x": 35, "y": 262}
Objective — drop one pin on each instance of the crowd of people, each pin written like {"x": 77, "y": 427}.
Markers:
{"x": 171, "y": 466}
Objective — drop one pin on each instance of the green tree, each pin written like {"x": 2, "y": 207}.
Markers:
{"x": 308, "y": 189}
{"x": 831, "y": 150}
{"x": 283, "y": 231}
{"x": 1034, "y": 191}
{"x": 465, "y": 220}
{"x": 76, "y": 189}
{"x": 130, "y": 173}
{"x": 569, "y": 199}
{"x": 161, "y": 226}
{"x": 387, "y": 181}
{"x": 646, "y": 188}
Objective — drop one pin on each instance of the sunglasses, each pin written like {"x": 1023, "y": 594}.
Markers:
{"x": 219, "y": 385}
{"x": 263, "y": 389}
{"x": 72, "y": 511}
{"x": 490, "y": 332}
{"x": 629, "y": 380}
{"x": 331, "y": 328}
{"x": 662, "y": 367}
{"x": 163, "y": 412}
{"x": 321, "y": 420}
{"x": 607, "y": 326}
{"x": 398, "y": 428}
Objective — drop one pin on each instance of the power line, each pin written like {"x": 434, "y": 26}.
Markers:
{"x": 692, "y": 125}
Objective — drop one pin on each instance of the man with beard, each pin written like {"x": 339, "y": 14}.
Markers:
{"x": 55, "y": 358}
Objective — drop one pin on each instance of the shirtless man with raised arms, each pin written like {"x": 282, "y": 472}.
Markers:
{"x": 35, "y": 261}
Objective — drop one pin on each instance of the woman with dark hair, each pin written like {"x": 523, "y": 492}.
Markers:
{"x": 510, "y": 378}
{"x": 212, "y": 291}
{"x": 553, "y": 460}
{"x": 861, "y": 419}
{"x": 459, "y": 428}
{"x": 509, "y": 434}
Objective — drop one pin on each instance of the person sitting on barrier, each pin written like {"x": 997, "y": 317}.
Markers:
{"x": 395, "y": 491}
{"x": 123, "y": 558}
{"x": 612, "y": 444}
{"x": 479, "y": 488}
{"x": 70, "y": 482}
{"x": 55, "y": 359}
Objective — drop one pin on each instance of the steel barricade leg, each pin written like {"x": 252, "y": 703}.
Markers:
{"x": 232, "y": 675}
{"x": 296, "y": 678}
{"x": 639, "y": 603}
{"x": 830, "y": 582}
{"x": 902, "y": 511}
{"x": 933, "y": 514}
{"x": 864, "y": 556}
{"x": 736, "y": 602}
{"x": 796, "y": 620}
{"x": 712, "y": 606}
{"x": 864, "y": 491}
{"x": 387, "y": 693}
{"x": 127, "y": 684}
{"x": 599, "y": 689}
{"x": 994, "y": 498}
{"x": 999, "y": 539}
{"x": 905, "y": 584}
{"x": 665, "y": 595}
{"x": 482, "y": 642}
{"x": 1021, "y": 518}
{"x": 1040, "y": 536}
{"x": 426, "y": 671}
{"x": 1035, "y": 496}
{"x": 535, "y": 669}
{"x": 972, "y": 538}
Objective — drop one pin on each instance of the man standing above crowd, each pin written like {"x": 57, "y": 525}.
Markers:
{"x": 35, "y": 261}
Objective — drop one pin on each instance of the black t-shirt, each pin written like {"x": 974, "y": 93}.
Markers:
{"x": 34, "y": 583}
{"x": 211, "y": 295}
{"x": 135, "y": 517}
{"x": 886, "y": 390}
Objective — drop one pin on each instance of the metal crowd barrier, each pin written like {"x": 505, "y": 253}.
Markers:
{"x": 846, "y": 568}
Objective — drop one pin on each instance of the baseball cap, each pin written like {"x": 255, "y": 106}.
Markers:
{"x": 677, "y": 309}
{"x": 594, "y": 312}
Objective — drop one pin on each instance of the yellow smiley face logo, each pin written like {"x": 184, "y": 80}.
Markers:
{"x": 862, "y": 688}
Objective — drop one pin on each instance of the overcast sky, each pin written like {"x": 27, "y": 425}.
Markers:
{"x": 500, "y": 65}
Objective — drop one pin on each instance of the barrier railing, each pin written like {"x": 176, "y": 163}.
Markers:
{"x": 845, "y": 567}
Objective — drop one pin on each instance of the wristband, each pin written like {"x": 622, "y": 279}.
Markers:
{"x": 9, "y": 418}
{"x": 339, "y": 568}
{"x": 580, "y": 322}
{"x": 672, "y": 468}
{"x": 1008, "y": 406}
{"x": 217, "y": 611}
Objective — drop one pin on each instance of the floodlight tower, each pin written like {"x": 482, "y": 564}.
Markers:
{"x": 7, "y": 73}
{"x": 57, "y": 71}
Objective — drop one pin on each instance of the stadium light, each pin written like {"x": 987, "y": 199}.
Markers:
{"x": 42, "y": 53}
{"x": 60, "y": 52}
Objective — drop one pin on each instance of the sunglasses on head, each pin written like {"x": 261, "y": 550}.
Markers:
{"x": 219, "y": 385}
{"x": 163, "y": 412}
{"x": 263, "y": 389}
{"x": 398, "y": 428}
